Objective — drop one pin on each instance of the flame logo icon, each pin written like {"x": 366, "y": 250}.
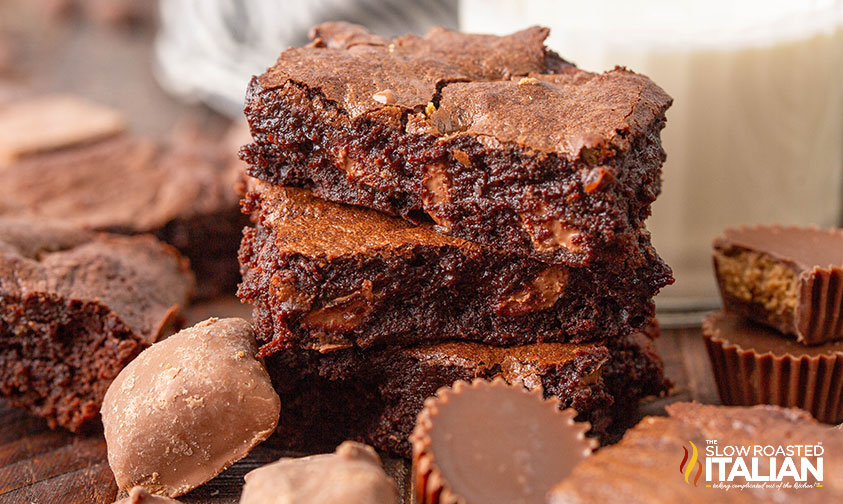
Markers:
{"x": 689, "y": 468}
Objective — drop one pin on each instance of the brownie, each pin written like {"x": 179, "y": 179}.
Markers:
{"x": 77, "y": 306}
{"x": 182, "y": 194}
{"x": 33, "y": 125}
{"x": 643, "y": 467}
{"x": 374, "y": 395}
{"x": 788, "y": 278}
{"x": 495, "y": 138}
{"x": 327, "y": 275}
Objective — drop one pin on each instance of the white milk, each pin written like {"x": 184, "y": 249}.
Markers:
{"x": 755, "y": 134}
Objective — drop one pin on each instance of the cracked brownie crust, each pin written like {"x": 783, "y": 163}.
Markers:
{"x": 495, "y": 139}
{"x": 375, "y": 395}
{"x": 75, "y": 308}
{"x": 324, "y": 275}
{"x": 129, "y": 185}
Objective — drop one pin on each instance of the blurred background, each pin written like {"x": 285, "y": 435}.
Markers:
{"x": 755, "y": 134}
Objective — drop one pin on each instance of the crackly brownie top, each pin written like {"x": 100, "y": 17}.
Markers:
{"x": 508, "y": 89}
{"x": 122, "y": 184}
{"x": 138, "y": 278}
{"x": 341, "y": 229}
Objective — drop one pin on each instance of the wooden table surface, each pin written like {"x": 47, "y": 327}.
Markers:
{"x": 38, "y": 465}
{"x": 38, "y": 54}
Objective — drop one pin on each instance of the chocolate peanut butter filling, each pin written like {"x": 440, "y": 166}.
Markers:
{"x": 788, "y": 278}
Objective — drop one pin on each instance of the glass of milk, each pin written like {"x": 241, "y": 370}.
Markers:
{"x": 755, "y": 133}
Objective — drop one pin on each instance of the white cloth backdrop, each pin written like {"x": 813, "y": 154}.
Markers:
{"x": 207, "y": 50}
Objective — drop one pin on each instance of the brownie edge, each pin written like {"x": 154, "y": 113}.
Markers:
{"x": 75, "y": 308}
{"x": 374, "y": 395}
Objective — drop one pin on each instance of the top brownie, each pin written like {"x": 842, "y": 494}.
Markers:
{"x": 496, "y": 139}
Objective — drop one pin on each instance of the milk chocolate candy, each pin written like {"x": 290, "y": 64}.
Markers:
{"x": 756, "y": 365}
{"x": 188, "y": 407}
{"x": 351, "y": 475}
{"x": 139, "y": 495}
{"x": 493, "y": 442}
{"x": 788, "y": 278}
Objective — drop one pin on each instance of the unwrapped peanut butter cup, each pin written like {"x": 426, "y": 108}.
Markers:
{"x": 493, "y": 442}
{"x": 757, "y": 365}
{"x": 788, "y": 278}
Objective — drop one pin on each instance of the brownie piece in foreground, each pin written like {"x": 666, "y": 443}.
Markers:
{"x": 182, "y": 194}
{"x": 496, "y": 139}
{"x": 75, "y": 308}
{"x": 642, "y": 468}
{"x": 789, "y": 278}
{"x": 374, "y": 395}
{"x": 325, "y": 275}
{"x": 754, "y": 364}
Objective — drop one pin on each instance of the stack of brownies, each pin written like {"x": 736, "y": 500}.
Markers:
{"x": 445, "y": 207}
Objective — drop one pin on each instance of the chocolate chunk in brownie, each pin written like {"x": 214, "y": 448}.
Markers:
{"x": 788, "y": 278}
{"x": 183, "y": 195}
{"x": 75, "y": 307}
{"x": 374, "y": 395}
{"x": 327, "y": 275}
{"x": 496, "y": 139}
{"x": 642, "y": 468}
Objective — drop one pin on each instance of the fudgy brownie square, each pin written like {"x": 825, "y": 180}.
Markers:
{"x": 325, "y": 275}
{"x": 374, "y": 395}
{"x": 183, "y": 194}
{"x": 496, "y": 139}
{"x": 77, "y": 306}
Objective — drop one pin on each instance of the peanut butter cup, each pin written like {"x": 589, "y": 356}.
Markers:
{"x": 788, "y": 278}
{"x": 493, "y": 442}
{"x": 756, "y": 365}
